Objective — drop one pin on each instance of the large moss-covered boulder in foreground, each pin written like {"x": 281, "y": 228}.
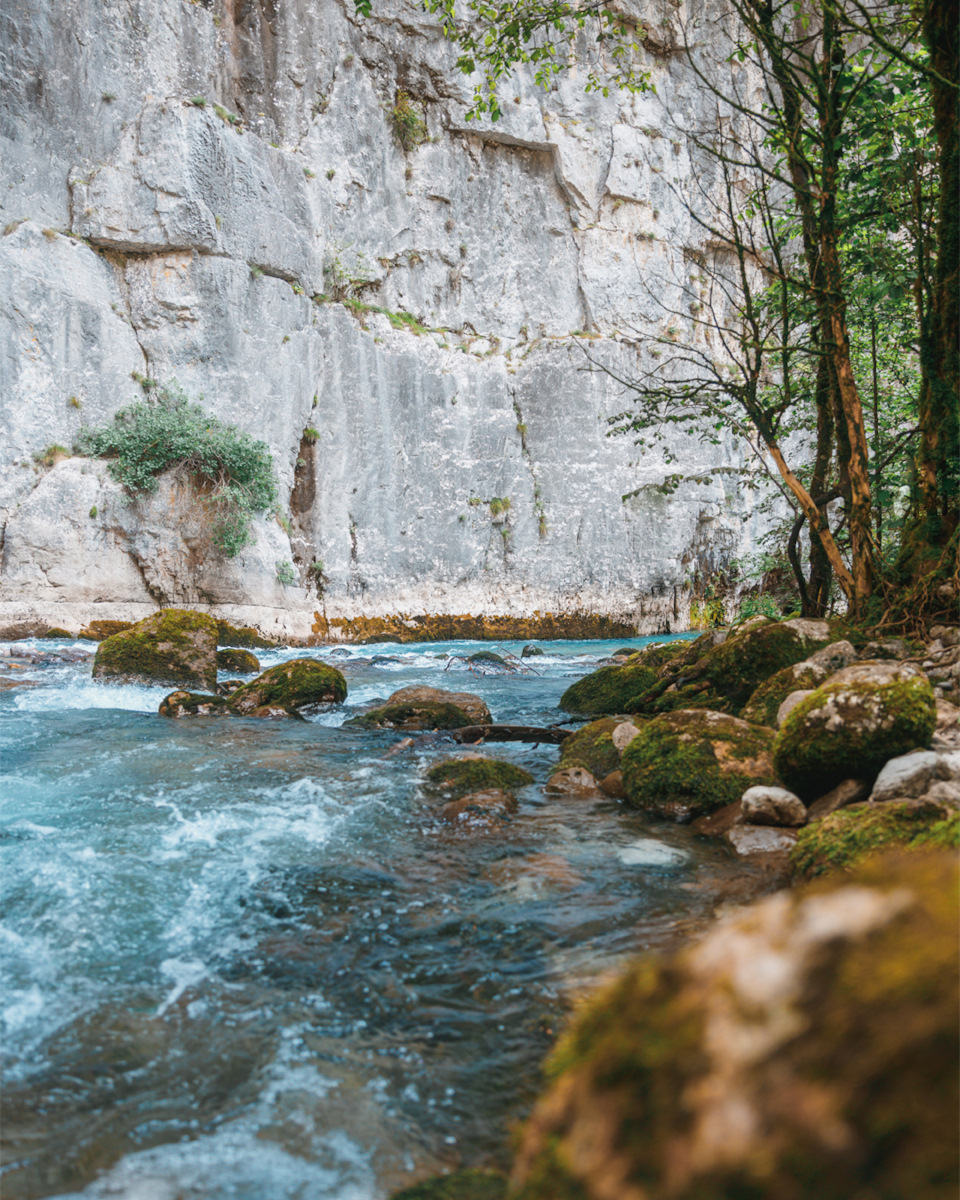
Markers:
{"x": 862, "y": 716}
{"x": 805, "y": 1048}
{"x": 175, "y": 646}
{"x": 687, "y": 764}
{"x": 237, "y": 662}
{"x": 413, "y": 716}
{"x": 457, "y": 777}
{"x": 592, "y": 747}
{"x": 288, "y": 688}
{"x": 844, "y": 838}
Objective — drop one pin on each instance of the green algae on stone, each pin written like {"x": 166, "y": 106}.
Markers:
{"x": 457, "y": 777}
{"x": 471, "y": 1184}
{"x": 193, "y": 704}
{"x": 849, "y": 729}
{"x": 245, "y": 637}
{"x": 843, "y": 1076}
{"x": 237, "y": 662}
{"x": 413, "y": 715}
{"x": 175, "y": 646}
{"x": 592, "y": 747}
{"x": 688, "y": 764}
{"x": 290, "y": 686}
{"x": 841, "y": 840}
{"x": 765, "y": 701}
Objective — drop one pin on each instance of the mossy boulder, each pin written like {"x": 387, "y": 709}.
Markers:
{"x": 592, "y": 747}
{"x": 848, "y": 728}
{"x": 687, "y": 764}
{"x": 612, "y": 689}
{"x": 413, "y": 715}
{"x": 472, "y": 705}
{"x": 762, "y": 707}
{"x": 471, "y": 1184}
{"x": 245, "y": 637}
{"x": 489, "y": 660}
{"x": 56, "y": 632}
{"x": 457, "y": 777}
{"x": 99, "y": 631}
{"x": 807, "y": 1047}
{"x": 175, "y": 646}
{"x": 843, "y": 839}
{"x": 193, "y": 704}
{"x": 290, "y": 687}
{"x": 238, "y": 662}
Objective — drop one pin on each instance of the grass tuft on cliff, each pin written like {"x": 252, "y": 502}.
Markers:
{"x": 169, "y": 431}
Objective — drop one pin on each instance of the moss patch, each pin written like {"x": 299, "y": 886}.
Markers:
{"x": 849, "y": 730}
{"x": 764, "y": 703}
{"x": 237, "y": 662}
{"x": 98, "y": 631}
{"x": 688, "y": 764}
{"x": 193, "y": 704}
{"x": 592, "y": 747}
{"x": 456, "y": 777}
{"x": 173, "y": 646}
{"x": 56, "y": 632}
{"x": 413, "y": 716}
{"x": 291, "y": 686}
{"x": 244, "y": 636}
{"x": 842, "y": 839}
{"x": 612, "y": 689}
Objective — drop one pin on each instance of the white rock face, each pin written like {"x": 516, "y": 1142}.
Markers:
{"x": 146, "y": 233}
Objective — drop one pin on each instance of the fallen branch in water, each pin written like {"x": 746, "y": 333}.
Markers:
{"x": 471, "y": 734}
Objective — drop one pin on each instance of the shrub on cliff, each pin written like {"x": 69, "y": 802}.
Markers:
{"x": 167, "y": 432}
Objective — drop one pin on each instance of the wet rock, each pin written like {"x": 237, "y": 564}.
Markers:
{"x": 849, "y": 727}
{"x": 413, "y": 715}
{"x": 534, "y": 874}
{"x": 531, "y": 651}
{"x": 489, "y": 661}
{"x": 175, "y": 645}
{"x": 193, "y": 704}
{"x": 492, "y": 806}
{"x": 717, "y": 823}
{"x": 460, "y": 1185}
{"x": 612, "y": 785}
{"x": 456, "y": 777}
{"x": 844, "y": 838}
{"x": 912, "y": 775}
{"x": 849, "y": 791}
{"x": 807, "y": 1046}
{"x": 475, "y": 708}
{"x": 592, "y": 748}
{"x": 772, "y": 806}
{"x": 687, "y": 764}
{"x": 288, "y": 688}
{"x": 241, "y": 662}
{"x": 244, "y": 637}
{"x": 571, "y": 781}
{"x": 760, "y": 839}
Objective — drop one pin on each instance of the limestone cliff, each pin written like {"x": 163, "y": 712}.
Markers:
{"x": 190, "y": 191}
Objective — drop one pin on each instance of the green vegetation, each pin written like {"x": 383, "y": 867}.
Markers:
{"x": 471, "y": 1184}
{"x": 51, "y": 456}
{"x": 406, "y": 119}
{"x": 413, "y": 715}
{"x": 244, "y": 636}
{"x": 843, "y": 839}
{"x": 286, "y": 575}
{"x": 499, "y": 505}
{"x": 234, "y": 661}
{"x": 457, "y": 777}
{"x": 612, "y": 689}
{"x": 176, "y": 646}
{"x": 233, "y": 473}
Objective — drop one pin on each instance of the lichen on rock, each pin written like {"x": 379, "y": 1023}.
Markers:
{"x": 175, "y": 646}
{"x": 687, "y": 764}
{"x": 290, "y": 687}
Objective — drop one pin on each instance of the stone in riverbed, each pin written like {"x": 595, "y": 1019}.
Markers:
{"x": 772, "y": 806}
{"x": 289, "y": 687}
{"x": 763, "y": 706}
{"x": 193, "y": 704}
{"x": 850, "y": 791}
{"x": 245, "y": 637}
{"x": 413, "y": 715}
{"x": 760, "y": 839}
{"x": 592, "y": 748}
{"x": 477, "y": 809}
{"x": 475, "y": 708}
{"x": 686, "y": 764}
{"x": 571, "y": 781}
{"x": 239, "y": 662}
{"x": 99, "y": 631}
{"x": 175, "y": 646}
{"x": 456, "y": 777}
{"x": 805, "y": 1047}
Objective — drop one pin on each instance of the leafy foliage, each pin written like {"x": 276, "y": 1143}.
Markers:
{"x": 406, "y": 117}
{"x": 168, "y": 431}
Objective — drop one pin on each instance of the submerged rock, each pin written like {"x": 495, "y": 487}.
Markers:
{"x": 687, "y": 764}
{"x": 490, "y": 807}
{"x": 173, "y": 646}
{"x": 531, "y": 651}
{"x": 848, "y": 728}
{"x": 239, "y": 662}
{"x": 472, "y": 705}
{"x": 456, "y": 777}
{"x": 413, "y": 715}
{"x": 288, "y": 688}
{"x": 843, "y": 838}
{"x": 807, "y": 1047}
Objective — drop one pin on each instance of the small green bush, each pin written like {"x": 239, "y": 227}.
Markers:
{"x": 407, "y": 120}
{"x": 310, "y": 435}
{"x": 285, "y": 573}
{"x": 167, "y": 432}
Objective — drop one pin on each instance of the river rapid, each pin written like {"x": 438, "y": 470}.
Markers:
{"x": 243, "y": 959}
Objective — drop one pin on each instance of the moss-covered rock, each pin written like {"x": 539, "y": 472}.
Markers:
{"x": 696, "y": 1079}
{"x": 531, "y": 651}
{"x": 245, "y": 637}
{"x": 56, "y": 632}
{"x": 849, "y": 727}
{"x": 844, "y": 838}
{"x": 472, "y": 705}
{"x": 687, "y": 764}
{"x": 489, "y": 660}
{"x": 238, "y": 662}
{"x": 761, "y": 708}
{"x": 290, "y": 687}
{"x": 193, "y": 704}
{"x": 461, "y": 1185}
{"x": 99, "y": 631}
{"x": 612, "y": 689}
{"x": 175, "y": 646}
{"x": 412, "y": 716}
{"x": 592, "y": 747}
{"x": 456, "y": 777}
